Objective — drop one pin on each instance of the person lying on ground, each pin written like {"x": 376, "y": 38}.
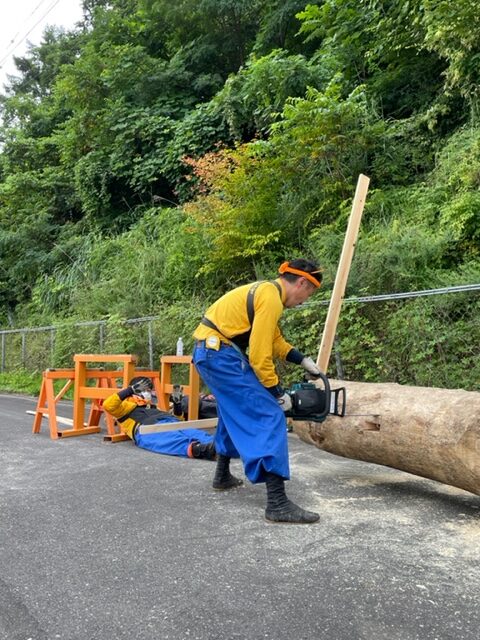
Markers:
{"x": 133, "y": 407}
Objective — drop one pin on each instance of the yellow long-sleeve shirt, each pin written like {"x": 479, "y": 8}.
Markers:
{"x": 138, "y": 411}
{"x": 119, "y": 408}
{"x": 230, "y": 316}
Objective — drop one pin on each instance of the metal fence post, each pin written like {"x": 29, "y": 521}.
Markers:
{"x": 24, "y": 349}
{"x": 3, "y": 353}
{"x": 338, "y": 359}
{"x": 150, "y": 345}
{"x": 52, "y": 347}
{"x": 101, "y": 336}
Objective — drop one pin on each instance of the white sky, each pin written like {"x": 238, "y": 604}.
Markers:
{"x": 23, "y": 21}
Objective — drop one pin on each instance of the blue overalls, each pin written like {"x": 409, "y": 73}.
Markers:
{"x": 172, "y": 443}
{"x": 251, "y": 424}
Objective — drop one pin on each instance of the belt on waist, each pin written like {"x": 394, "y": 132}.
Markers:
{"x": 201, "y": 343}
{"x": 223, "y": 345}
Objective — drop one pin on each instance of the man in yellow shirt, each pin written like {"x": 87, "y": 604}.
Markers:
{"x": 250, "y": 400}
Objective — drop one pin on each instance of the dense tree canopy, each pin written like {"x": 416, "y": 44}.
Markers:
{"x": 177, "y": 148}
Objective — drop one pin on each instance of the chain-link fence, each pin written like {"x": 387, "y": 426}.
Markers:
{"x": 424, "y": 338}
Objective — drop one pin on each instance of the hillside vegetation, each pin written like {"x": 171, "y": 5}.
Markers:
{"x": 162, "y": 152}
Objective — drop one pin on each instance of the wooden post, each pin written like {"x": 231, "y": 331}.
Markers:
{"x": 342, "y": 273}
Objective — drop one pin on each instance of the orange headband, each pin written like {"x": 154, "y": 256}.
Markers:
{"x": 286, "y": 268}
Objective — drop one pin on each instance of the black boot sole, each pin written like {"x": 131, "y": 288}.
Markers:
{"x": 289, "y": 518}
{"x": 234, "y": 483}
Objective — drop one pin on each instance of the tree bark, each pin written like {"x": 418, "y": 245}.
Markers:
{"x": 434, "y": 433}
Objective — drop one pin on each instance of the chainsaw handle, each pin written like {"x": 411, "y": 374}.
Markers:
{"x": 309, "y": 377}
{"x": 326, "y": 384}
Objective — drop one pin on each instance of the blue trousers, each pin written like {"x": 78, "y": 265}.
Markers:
{"x": 172, "y": 443}
{"x": 251, "y": 424}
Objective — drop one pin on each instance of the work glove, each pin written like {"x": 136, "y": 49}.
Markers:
{"x": 176, "y": 397}
{"x": 144, "y": 384}
{"x": 311, "y": 368}
{"x": 285, "y": 402}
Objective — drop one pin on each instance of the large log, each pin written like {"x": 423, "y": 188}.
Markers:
{"x": 434, "y": 433}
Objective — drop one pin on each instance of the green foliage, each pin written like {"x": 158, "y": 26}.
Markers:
{"x": 279, "y": 27}
{"x": 382, "y": 45}
{"x": 253, "y": 99}
{"x": 260, "y": 133}
{"x": 439, "y": 347}
{"x": 452, "y": 32}
{"x": 21, "y": 382}
{"x": 274, "y": 194}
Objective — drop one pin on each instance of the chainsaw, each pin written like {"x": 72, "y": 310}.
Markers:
{"x": 310, "y": 402}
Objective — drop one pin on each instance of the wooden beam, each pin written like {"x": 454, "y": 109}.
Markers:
{"x": 342, "y": 273}
{"x": 105, "y": 357}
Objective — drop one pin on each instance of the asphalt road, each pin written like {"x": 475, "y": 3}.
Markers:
{"x": 106, "y": 541}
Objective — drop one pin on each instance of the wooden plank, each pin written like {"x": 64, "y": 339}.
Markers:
{"x": 52, "y": 408}
{"x": 342, "y": 273}
{"x": 78, "y": 432}
{"x": 63, "y": 390}
{"x": 116, "y": 437}
{"x": 78, "y": 400}
{"x": 176, "y": 359}
{"x": 193, "y": 393}
{"x": 57, "y": 374}
{"x": 61, "y": 419}
{"x": 205, "y": 423}
{"x": 41, "y": 409}
{"x": 94, "y": 393}
{"x": 104, "y": 357}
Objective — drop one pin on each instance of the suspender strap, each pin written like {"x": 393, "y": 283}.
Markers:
{"x": 211, "y": 325}
{"x": 250, "y": 309}
{"x": 251, "y": 297}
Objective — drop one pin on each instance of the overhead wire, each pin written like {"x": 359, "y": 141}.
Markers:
{"x": 395, "y": 296}
{"x": 11, "y": 51}
{"x": 12, "y": 41}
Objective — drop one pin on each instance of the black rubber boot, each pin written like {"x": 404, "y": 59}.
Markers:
{"x": 223, "y": 479}
{"x": 280, "y": 508}
{"x": 204, "y": 451}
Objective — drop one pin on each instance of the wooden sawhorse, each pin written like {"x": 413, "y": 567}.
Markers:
{"x": 166, "y": 387}
{"x": 47, "y": 401}
{"x": 106, "y": 384}
{"x": 81, "y": 392}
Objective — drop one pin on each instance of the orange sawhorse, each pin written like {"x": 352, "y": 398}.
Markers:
{"x": 106, "y": 384}
{"x": 82, "y": 393}
{"x": 166, "y": 386}
{"x": 47, "y": 400}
